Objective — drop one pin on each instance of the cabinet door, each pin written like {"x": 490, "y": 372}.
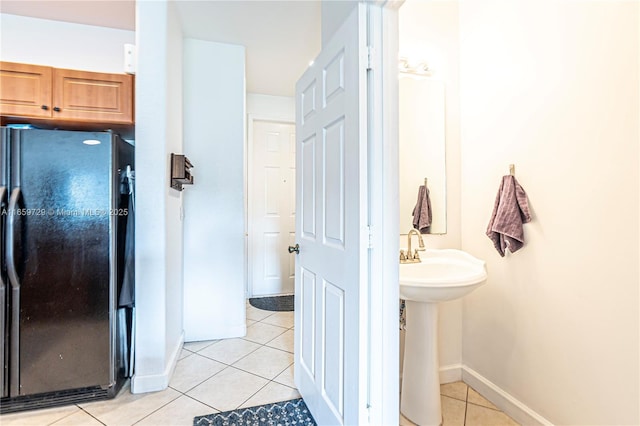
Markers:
{"x": 25, "y": 90}
{"x": 90, "y": 96}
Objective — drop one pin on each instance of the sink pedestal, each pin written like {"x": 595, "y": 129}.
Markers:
{"x": 420, "y": 401}
{"x": 443, "y": 274}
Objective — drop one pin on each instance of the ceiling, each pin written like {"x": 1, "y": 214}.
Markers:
{"x": 113, "y": 14}
{"x": 280, "y": 37}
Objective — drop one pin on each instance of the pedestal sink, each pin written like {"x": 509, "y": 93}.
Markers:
{"x": 442, "y": 275}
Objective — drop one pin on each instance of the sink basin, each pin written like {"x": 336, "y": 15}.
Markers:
{"x": 443, "y": 274}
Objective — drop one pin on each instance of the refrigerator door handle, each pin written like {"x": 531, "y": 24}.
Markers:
{"x": 3, "y": 305}
{"x": 14, "y": 281}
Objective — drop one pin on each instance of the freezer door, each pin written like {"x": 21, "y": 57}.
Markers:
{"x": 60, "y": 251}
{"x": 4, "y": 299}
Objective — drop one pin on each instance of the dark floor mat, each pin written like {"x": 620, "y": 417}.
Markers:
{"x": 273, "y": 303}
{"x": 285, "y": 413}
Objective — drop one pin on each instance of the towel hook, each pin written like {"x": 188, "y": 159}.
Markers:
{"x": 425, "y": 182}
{"x": 512, "y": 169}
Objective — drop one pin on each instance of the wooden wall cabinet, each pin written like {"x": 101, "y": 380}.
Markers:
{"x": 65, "y": 95}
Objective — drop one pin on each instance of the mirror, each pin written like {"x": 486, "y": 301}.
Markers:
{"x": 422, "y": 149}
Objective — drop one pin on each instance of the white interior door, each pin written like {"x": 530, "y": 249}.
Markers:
{"x": 272, "y": 208}
{"x": 331, "y": 267}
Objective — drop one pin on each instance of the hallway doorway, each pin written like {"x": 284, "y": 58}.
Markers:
{"x": 271, "y": 208}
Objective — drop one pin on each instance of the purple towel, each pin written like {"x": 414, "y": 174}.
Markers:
{"x": 422, "y": 211}
{"x": 510, "y": 211}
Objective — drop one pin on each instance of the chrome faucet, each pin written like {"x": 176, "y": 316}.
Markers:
{"x": 410, "y": 257}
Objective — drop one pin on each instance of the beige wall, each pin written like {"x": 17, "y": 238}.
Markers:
{"x": 553, "y": 88}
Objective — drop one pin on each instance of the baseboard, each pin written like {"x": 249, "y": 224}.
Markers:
{"x": 450, "y": 373}
{"x": 257, "y": 296}
{"x": 501, "y": 399}
{"x": 158, "y": 382}
{"x": 214, "y": 333}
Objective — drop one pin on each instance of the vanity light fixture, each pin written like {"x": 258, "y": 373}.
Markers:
{"x": 407, "y": 67}
{"x": 403, "y": 64}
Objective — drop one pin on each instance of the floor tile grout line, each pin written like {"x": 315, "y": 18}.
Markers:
{"x": 282, "y": 384}
{"x": 213, "y": 342}
{"x": 269, "y": 324}
{"x": 269, "y": 380}
{"x": 208, "y": 405}
{"x": 265, "y": 385}
{"x": 203, "y": 403}
{"x": 278, "y": 349}
{"x": 466, "y": 404}
{"x": 484, "y": 406}
{"x": 259, "y": 343}
{"x": 273, "y": 325}
{"x": 248, "y": 372}
{"x": 196, "y": 399}
{"x": 266, "y": 378}
{"x": 97, "y": 419}
{"x": 238, "y": 358}
{"x": 245, "y": 372}
{"x": 195, "y": 386}
{"x": 159, "y": 408}
{"x": 60, "y": 418}
{"x": 226, "y": 366}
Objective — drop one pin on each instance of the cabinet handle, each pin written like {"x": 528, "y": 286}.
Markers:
{"x": 44, "y": 107}
{"x": 56, "y": 109}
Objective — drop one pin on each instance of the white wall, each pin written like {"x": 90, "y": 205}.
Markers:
{"x": 272, "y": 107}
{"x": 158, "y": 225}
{"x": 333, "y": 13}
{"x": 553, "y": 88}
{"x": 173, "y": 212}
{"x": 62, "y": 44}
{"x": 214, "y": 224}
{"x": 430, "y": 31}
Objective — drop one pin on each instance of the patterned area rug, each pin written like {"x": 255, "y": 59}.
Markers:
{"x": 273, "y": 303}
{"x": 285, "y": 413}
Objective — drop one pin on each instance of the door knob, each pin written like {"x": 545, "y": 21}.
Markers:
{"x": 295, "y": 248}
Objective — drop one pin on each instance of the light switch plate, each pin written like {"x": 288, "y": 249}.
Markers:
{"x": 130, "y": 58}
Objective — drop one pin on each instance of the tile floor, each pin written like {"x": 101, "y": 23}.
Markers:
{"x": 222, "y": 375}
{"x": 463, "y": 406}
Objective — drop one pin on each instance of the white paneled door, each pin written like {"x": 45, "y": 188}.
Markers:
{"x": 331, "y": 267}
{"x": 272, "y": 208}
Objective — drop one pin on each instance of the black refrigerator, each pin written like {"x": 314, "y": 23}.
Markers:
{"x": 65, "y": 210}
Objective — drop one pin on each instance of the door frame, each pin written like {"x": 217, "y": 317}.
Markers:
{"x": 383, "y": 331}
{"x": 381, "y": 384}
{"x": 251, "y": 119}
